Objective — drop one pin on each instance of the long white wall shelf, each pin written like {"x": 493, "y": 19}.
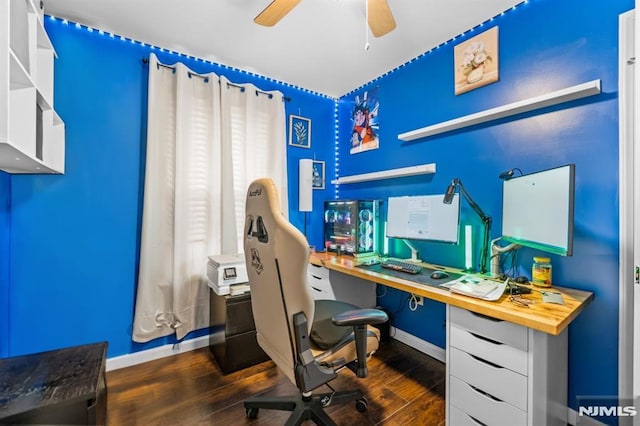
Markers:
{"x": 549, "y": 99}
{"x": 423, "y": 169}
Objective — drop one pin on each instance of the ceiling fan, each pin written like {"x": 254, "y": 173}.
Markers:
{"x": 379, "y": 16}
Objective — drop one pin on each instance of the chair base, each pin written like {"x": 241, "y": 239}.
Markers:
{"x": 305, "y": 408}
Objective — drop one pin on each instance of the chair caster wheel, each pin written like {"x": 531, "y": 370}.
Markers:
{"x": 361, "y": 405}
{"x": 252, "y": 413}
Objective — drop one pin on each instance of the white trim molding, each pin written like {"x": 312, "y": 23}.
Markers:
{"x": 135, "y": 358}
{"x": 417, "y": 343}
{"x": 626, "y": 183}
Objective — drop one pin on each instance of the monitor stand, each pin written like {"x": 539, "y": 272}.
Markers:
{"x": 496, "y": 251}
{"x": 414, "y": 252}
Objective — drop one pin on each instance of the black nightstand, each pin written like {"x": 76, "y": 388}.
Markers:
{"x": 238, "y": 348}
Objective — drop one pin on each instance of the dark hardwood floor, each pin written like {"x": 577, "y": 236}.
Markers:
{"x": 404, "y": 387}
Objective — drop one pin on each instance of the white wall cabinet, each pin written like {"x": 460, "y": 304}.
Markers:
{"x": 32, "y": 135}
{"x": 501, "y": 373}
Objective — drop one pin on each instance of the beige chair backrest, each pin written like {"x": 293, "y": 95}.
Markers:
{"x": 277, "y": 255}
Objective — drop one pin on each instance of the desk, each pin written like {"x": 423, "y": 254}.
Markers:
{"x": 546, "y": 317}
{"x": 505, "y": 364}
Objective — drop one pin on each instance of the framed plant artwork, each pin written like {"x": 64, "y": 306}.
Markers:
{"x": 299, "y": 131}
{"x": 318, "y": 175}
{"x": 476, "y": 61}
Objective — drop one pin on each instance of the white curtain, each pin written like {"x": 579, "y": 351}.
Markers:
{"x": 205, "y": 144}
{"x": 248, "y": 151}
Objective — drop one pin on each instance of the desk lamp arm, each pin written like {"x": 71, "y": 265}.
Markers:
{"x": 486, "y": 220}
{"x": 476, "y": 208}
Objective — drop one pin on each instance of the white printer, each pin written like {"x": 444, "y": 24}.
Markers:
{"x": 227, "y": 274}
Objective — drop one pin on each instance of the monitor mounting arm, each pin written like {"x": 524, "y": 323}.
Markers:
{"x": 496, "y": 251}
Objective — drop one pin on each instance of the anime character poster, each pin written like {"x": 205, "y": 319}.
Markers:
{"x": 364, "y": 133}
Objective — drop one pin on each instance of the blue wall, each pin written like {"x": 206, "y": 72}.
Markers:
{"x": 5, "y": 237}
{"x": 74, "y": 257}
{"x": 544, "y": 46}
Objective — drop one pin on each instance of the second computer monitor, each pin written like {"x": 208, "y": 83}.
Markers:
{"x": 423, "y": 217}
{"x": 538, "y": 209}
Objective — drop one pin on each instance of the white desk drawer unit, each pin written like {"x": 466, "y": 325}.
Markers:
{"x": 501, "y": 373}
{"x": 483, "y": 407}
{"x": 318, "y": 280}
{"x": 500, "y": 353}
{"x": 326, "y": 284}
{"x": 494, "y": 379}
{"x": 495, "y": 329}
{"x": 460, "y": 418}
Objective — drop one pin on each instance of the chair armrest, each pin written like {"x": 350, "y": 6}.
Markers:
{"x": 359, "y": 319}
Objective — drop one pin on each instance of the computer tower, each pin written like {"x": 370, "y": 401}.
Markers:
{"x": 352, "y": 226}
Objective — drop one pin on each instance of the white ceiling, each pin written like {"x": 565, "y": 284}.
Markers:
{"x": 319, "y": 45}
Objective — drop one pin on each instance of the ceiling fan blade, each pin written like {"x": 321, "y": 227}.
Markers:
{"x": 273, "y": 13}
{"x": 380, "y": 17}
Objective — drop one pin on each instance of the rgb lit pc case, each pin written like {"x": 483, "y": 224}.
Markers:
{"x": 351, "y": 226}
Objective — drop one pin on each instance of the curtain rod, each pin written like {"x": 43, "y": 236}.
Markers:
{"x": 206, "y": 79}
{"x": 258, "y": 92}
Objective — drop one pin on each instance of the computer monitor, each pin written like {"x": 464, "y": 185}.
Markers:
{"x": 537, "y": 210}
{"x": 423, "y": 217}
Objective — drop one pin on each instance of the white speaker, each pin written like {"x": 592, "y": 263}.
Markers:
{"x": 305, "y": 185}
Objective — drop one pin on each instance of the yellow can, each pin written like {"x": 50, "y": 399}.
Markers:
{"x": 541, "y": 272}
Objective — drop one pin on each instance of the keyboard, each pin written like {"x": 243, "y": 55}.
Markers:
{"x": 398, "y": 265}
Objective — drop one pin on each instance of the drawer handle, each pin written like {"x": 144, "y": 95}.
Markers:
{"x": 486, "y": 362}
{"x": 476, "y": 421}
{"x": 483, "y": 393}
{"x": 317, "y": 278}
{"x": 315, "y": 266}
{"x": 486, "y": 317}
{"x": 486, "y": 339}
{"x": 316, "y": 289}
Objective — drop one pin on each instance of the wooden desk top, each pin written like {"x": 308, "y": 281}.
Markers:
{"x": 549, "y": 318}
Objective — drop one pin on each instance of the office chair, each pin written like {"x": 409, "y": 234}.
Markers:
{"x": 309, "y": 341}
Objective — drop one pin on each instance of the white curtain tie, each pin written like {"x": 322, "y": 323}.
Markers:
{"x": 167, "y": 319}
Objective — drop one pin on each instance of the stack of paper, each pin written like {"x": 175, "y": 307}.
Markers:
{"x": 477, "y": 287}
{"x": 238, "y": 289}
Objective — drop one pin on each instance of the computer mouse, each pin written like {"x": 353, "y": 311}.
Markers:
{"x": 522, "y": 280}
{"x": 438, "y": 275}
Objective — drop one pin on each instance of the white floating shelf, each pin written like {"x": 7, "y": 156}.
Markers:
{"x": 423, "y": 169}
{"x": 553, "y": 98}
{"x": 12, "y": 160}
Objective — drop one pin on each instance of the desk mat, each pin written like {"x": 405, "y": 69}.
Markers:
{"x": 423, "y": 277}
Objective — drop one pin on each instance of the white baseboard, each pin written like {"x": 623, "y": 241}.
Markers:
{"x": 419, "y": 344}
{"x": 135, "y": 358}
